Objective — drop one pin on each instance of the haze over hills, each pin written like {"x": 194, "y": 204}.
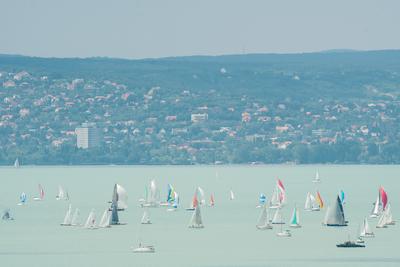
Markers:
{"x": 327, "y": 107}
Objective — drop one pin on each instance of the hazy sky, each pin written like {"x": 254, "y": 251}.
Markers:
{"x": 158, "y": 28}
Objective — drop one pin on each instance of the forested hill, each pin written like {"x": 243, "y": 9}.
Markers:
{"x": 334, "y": 106}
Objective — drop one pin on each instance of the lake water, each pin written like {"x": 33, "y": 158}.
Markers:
{"x": 35, "y": 237}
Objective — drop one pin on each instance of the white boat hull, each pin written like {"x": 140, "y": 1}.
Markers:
{"x": 284, "y": 234}
{"x": 264, "y": 227}
{"x": 145, "y": 249}
{"x": 196, "y": 226}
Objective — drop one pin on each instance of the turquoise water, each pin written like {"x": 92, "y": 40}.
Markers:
{"x": 229, "y": 238}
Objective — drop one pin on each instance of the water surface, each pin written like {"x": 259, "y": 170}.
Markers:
{"x": 229, "y": 238}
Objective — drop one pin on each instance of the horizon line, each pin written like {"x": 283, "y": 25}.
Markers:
{"x": 328, "y": 51}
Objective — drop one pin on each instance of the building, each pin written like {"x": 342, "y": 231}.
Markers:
{"x": 88, "y": 136}
{"x": 200, "y": 117}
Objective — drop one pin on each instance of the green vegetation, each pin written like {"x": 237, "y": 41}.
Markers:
{"x": 306, "y": 108}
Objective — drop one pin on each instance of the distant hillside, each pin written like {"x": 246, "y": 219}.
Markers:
{"x": 307, "y": 108}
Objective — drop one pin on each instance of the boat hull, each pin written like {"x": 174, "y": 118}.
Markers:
{"x": 264, "y": 227}
{"x": 147, "y": 249}
{"x": 196, "y": 226}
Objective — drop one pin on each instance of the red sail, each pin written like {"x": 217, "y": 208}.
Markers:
{"x": 195, "y": 201}
{"x": 280, "y": 184}
{"x": 384, "y": 197}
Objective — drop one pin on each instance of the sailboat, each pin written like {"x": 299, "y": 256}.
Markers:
{"x": 16, "y": 163}
{"x": 264, "y": 221}
{"x": 170, "y": 196}
{"x": 311, "y": 203}
{"x": 75, "y": 218}
{"x": 366, "y": 230}
{"x": 22, "y": 199}
{"x": 68, "y": 217}
{"x": 6, "y": 216}
{"x": 153, "y": 197}
{"x": 231, "y": 195}
{"x": 41, "y": 193}
{"x": 62, "y": 194}
{"x": 194, "y": 202}
{"x": 278, "y": 198}
{"x": 105, "y": 219}
{"x": 380, "y": 203}
{"x": 120, "y": 197}
{"x": 212, "y": 200}
{"x": 335, "y": 214}
{"x": 389, "y": 216}
{"x": 196, "y": 220}
{"x": 295, "y": 220}
{"x": 316, "y": 178}
{"x": 277, "y": 219}
{"x": 145, "y": 218}
{"x": 175, "y": 203}
{"x": 91, "y": 221}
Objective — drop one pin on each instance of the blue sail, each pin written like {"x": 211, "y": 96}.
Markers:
{"x": 22, "y": 198}
{"x": 114, "y": 213}
{"x": 341, "y": 195}
{"x": 262, "y": 199}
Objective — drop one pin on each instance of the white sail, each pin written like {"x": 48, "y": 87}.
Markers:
{"x": 202, "y": 200}
{"x": 263, "y": 220}
{"x": 145, "y": 218}
{"x": 75, "y": 218}
{"x": 231, "y": 195}
{"x": 196, "y": 220}
{"x": 382, "y": 221}
{"x": 68, "y": 217}
{"x": 16, "y": 163}
{"x": 278, "y": 196}
{"x": 274, "y": 203}
{"x": 62, "y": 194}
{"x": 314, "y": 203}
{"x": 277, "y": 219}
{"x": 105, "y": 219}
{"x": 389, "y": 216}
{"x": 307, "y": 205}
{"x": 325, "y": 222}
{"x": 153, "y": 196}
{"x": 366, "y": 230}
{"x": 375, "y": 211}
{"x": 335, "y": 215}
{"x": 122, "y": 197}
{"x": 91, "y": 221}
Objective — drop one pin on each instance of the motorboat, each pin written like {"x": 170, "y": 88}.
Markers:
{"x": 285, "y": 233}
{"x": 350, "y": 244}
{"x": 144, "y": 249}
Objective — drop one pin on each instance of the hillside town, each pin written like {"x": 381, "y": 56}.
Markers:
{"x": 41, "y": 120}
